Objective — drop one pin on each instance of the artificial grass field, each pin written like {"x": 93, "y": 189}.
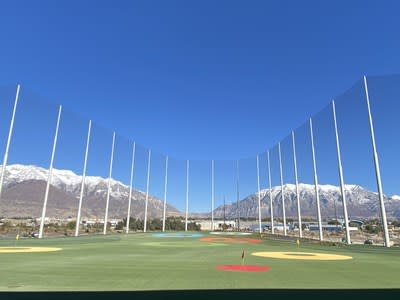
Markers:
{"x": 145, "y": 262}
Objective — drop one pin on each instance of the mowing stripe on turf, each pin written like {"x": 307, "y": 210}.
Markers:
{"x": 180, "y": 245}
{"x": 230, "y": 240}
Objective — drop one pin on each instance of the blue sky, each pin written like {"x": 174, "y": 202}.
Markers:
{"x": 196, "y": 79}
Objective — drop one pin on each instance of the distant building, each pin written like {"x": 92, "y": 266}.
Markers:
{"x": 218, "y": 225}
{"x": 46, "y": 220}
{"x": 268, "y": 226}
{"x": 326, "y": 227}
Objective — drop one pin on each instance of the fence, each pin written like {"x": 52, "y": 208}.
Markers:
{"x": 340, "y": 166}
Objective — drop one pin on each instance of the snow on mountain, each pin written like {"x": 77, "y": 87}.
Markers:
{"x": 308, "y": 188}
{"x": 64, "y": 179}
{"x": 24, "y": 185}
{"x": 361, "y": 203}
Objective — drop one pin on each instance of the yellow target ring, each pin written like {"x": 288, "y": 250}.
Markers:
{"x": 27, "y": 249}
{"x": 302, "y": 255}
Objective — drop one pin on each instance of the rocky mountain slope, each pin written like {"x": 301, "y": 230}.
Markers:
{"x": 24, "y": 189}
{"x": 361, "y": 203}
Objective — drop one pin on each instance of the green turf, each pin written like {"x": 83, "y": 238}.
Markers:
{"x": 142, "y": 262}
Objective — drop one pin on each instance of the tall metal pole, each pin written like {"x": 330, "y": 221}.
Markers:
{"x": 147, "y": 191}
{"x": 10, "y": 131}
{"x": 46, "y": 195}
{"x": 165, "y": 193}
{"x": 212, "y": 195}
{"x": 128, "y": 217}
{"x": 297, "y": 184}
{"x": 282, "y": 193}
{"x": 238, "y": 193}
{"x": 271, "y": 203}
{"x": 316, "y": 182}
{"x": 259, "y": 194}
{"x": 224, "y": 212}
{"x": 377, "y": 168}
{"x": 78, "y": 218}
{"x": 340, "y": 169}
{"x": 109, "y": 185}
{"x": 187, "y": 194}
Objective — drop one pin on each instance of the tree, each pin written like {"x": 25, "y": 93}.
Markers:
{"x": 71, "y": 225}
{"x": 119, "y": 226}
{"x": 333, "y": 222}
{"x": 155, "y": 224}
{"x": 372, "y": 228}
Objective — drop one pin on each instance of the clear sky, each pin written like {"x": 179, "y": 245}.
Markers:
{"x": 197, "y": 79}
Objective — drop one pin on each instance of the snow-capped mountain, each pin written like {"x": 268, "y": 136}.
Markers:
{"x": 395, "y": 197}
{"x": 361, "y": 203}
{"x": 24, "y": 188}
{"x": 66, "y": 180}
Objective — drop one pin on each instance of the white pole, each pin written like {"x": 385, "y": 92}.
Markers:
{"x": 187, "y": 194}
{"x": 78, "y": 218}
{"x": 49, "y": 175}
{"x": 271, "y": 208}
{"x": 342, "y": 186}
{"x": 297, "y": 185}
{"x": 10, "y": 131}
{"x": 316, "y": 182}
{"x": 128, "y": 217}
{"x": 238, "y": 193}
{"x": 147, "y": 191}
{"x": 165, "y": 193}
{"x": 109, "y": 185}
{"x": 282, "y": 193}
{"x": 212, "y": 195}
{"x": 377, "y": 168}
{"x": 259, "y": 194}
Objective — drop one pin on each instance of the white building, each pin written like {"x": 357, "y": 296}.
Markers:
{"x": 218, "y": 225}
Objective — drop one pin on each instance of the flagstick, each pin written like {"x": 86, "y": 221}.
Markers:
{"x": 16, "y": 238}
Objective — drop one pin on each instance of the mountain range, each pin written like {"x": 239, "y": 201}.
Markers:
{"x": 360, "y": 202}
{"x": 24, "y": 188}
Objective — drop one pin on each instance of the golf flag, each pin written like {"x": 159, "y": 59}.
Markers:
{"x": 17, "y": 237}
